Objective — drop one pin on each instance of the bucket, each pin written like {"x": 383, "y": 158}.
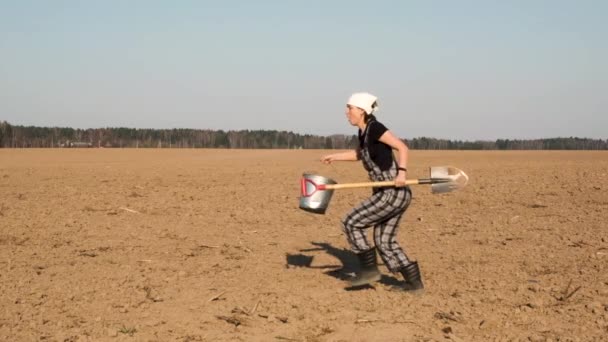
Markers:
{"x": 314, "y": 198}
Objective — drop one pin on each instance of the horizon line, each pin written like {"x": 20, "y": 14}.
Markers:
{"x": 295, "y": 132}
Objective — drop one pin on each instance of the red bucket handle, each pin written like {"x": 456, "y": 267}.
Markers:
{"x": 317, "y": 187}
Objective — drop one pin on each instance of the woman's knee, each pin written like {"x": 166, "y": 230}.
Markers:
{"x": 349, "y": 224}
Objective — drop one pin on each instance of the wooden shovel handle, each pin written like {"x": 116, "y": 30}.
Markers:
{"x": 368, "y": 184}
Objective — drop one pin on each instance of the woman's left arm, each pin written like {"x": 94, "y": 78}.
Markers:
{"x": 402, "y": 151}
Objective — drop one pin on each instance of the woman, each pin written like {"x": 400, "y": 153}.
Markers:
{"x": 384, "y": 209}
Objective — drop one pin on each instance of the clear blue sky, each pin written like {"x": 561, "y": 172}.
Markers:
{"x": 445, "y": 69}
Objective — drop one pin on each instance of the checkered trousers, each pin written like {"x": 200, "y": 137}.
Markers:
{"x": 382, "y": 211}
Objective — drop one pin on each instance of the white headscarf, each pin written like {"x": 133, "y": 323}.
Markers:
{"x": 365, "y": 101}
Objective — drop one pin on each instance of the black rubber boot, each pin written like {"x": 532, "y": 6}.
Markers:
{"x": 369, "y": 272}
{"x": 413, "y": 281}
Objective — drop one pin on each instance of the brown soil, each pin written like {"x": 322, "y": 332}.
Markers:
{"x": 209, "y": 245}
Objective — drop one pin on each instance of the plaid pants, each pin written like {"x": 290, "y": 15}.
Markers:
{"x": 383, "y": 211}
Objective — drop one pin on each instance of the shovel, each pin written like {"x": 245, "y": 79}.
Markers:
{"x": 317, "y": 190}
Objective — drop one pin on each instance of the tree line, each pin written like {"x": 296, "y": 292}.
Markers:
{"x": 14, "y": 136}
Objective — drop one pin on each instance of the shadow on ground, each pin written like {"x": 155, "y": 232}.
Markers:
{"x": 347, "y": 268}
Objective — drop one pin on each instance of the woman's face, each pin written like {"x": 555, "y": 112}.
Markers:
{"x": 354, "y": 115}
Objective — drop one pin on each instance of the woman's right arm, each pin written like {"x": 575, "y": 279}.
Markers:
{"x": 342, "y": 156}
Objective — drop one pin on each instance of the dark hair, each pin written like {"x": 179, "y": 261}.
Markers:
{"x": 369, "y": 117}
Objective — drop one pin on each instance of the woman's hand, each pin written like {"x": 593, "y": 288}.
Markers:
{"x": 400, "y": 180}
{"x": 327, "y": 159}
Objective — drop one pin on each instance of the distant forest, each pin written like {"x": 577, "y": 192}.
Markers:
{"x": 12, "y": 136}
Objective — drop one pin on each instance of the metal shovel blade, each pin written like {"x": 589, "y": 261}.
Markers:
{"x": 455, "y": 179}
